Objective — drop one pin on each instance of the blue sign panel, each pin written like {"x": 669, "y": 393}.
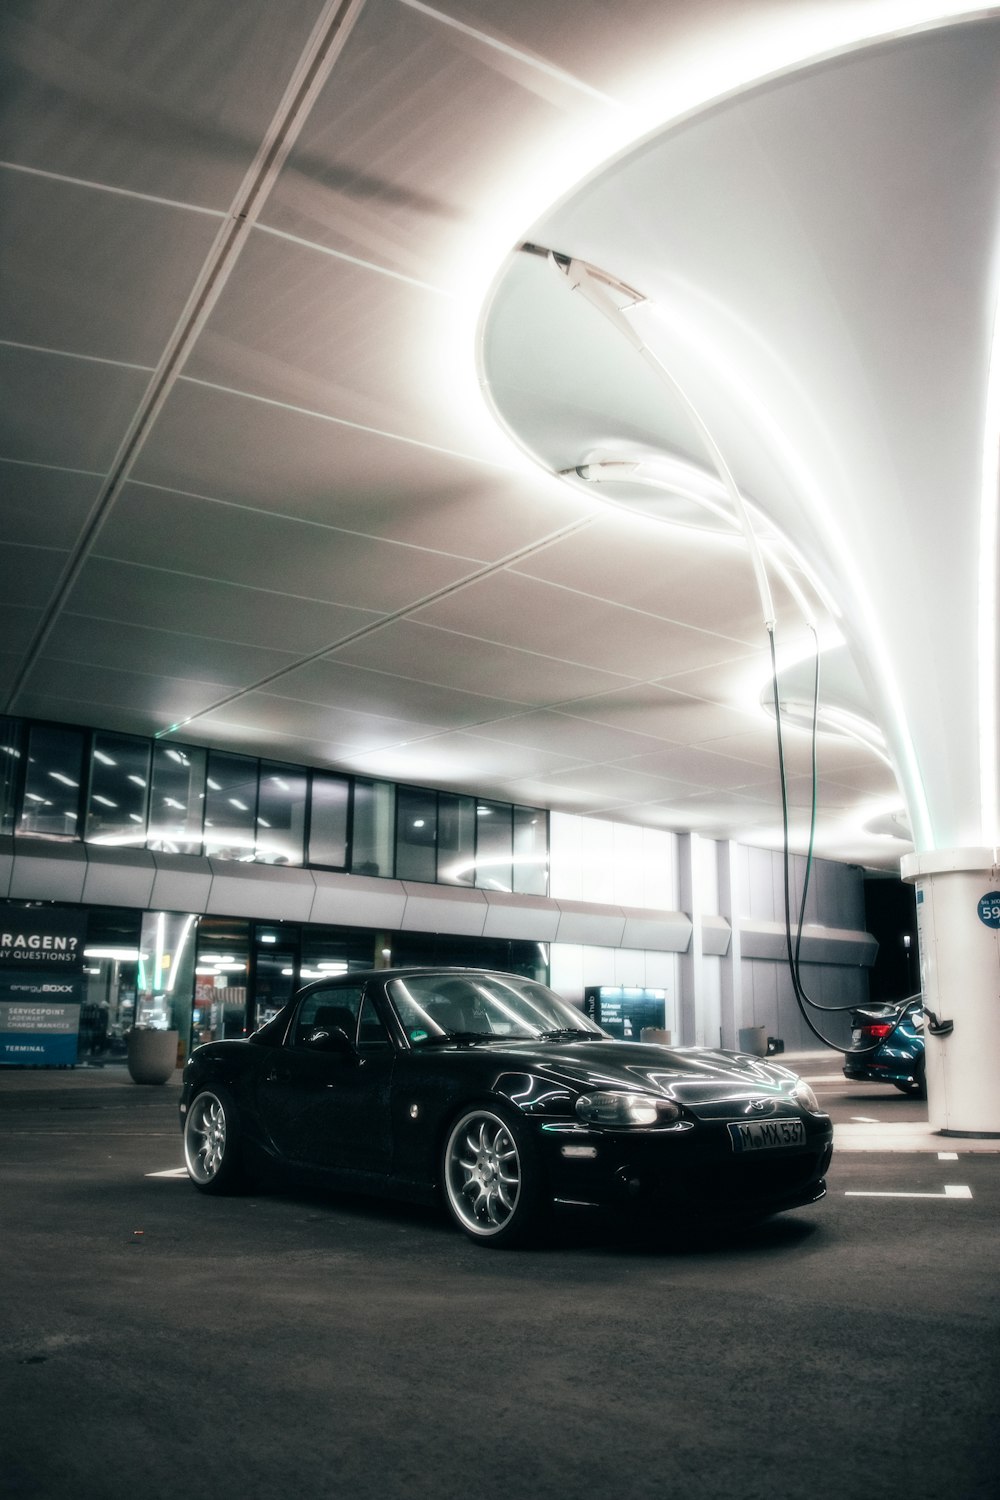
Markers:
{"x": 989, "y": 909}
{"x": 41, "y": 985}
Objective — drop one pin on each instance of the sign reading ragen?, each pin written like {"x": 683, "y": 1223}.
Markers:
{"x": 36, "y": 937}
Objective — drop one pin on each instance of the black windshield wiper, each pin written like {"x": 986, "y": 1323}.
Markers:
{"x": 571, "y": 1034}
{"x": 466, "y": 1037}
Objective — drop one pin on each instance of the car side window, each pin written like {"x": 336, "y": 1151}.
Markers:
{"x": 325, "y": 1009}
{"x": 372, "y": 1035}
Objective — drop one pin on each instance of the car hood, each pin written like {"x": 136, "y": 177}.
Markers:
{"x": 702, "y": 1080}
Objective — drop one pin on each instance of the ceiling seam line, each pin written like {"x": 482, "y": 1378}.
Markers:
{"x": 107, "y": 187}
{"x": 322, "y": 416}
{"x": 315, "y": 63}
{"x": 283, "y": 515}
{"x": 91, "y": 359}
{"x": 401, "y": 614}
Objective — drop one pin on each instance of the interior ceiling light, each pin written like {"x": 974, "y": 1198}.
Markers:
{"x": 613, "y": 298}
{"x": 893, "y": 825}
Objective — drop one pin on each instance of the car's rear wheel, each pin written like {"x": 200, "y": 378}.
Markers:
{"x": 493, "y": 1178}
{"x": 212, "y": 1149}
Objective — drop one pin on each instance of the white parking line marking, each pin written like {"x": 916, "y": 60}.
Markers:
{"x": 174, "y": 1172}
{"x": 949, "y": 1192}
{"x": 865, "y": 1120}
{"x": 947, "y": 1156}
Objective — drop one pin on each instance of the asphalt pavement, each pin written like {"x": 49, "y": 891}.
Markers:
{"x": 154, "y": 1341}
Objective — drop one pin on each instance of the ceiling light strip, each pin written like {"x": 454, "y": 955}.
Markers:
{"x": 353, "y": 260}
{"x": 513, "y": 52}
{"x": 324, "y": 47}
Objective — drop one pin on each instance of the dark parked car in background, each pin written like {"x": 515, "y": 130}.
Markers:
{"x": 489, "y": 1092}
{"x": 887, "y": 1046}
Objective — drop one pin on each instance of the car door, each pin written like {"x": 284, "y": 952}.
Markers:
{"x": 325, "y": 1101}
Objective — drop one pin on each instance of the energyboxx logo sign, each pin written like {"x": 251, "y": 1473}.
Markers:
{"x": 38, "y": 937}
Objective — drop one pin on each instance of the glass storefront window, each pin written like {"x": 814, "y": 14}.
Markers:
{"x": 110, "y": 969}
{"x": 372, "y": 834}
{"x": 329, "y": 807}
{"x": 531, "y": 851}
{"x": 494, "y": 845}
{"x": 11, "y": 734}
{"x": 416, "y": 834}
{"x": 51, "y": 807}
{"x": 230, "y": 805}
{"x": 119, "y": 790}
{"x": 456, "y": 839}
{"x": 337, "y": 950}
{"x": 281, "y": 814}
{"x": 166, "y": 972}
{"x": 274, "y": 976}
{"x": 177, "y": 799}
{"x": 221, "y": 978}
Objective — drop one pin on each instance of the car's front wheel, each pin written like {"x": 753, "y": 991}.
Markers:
{"x": 493, "y": 1178}
{"x": 212, "y": 1149}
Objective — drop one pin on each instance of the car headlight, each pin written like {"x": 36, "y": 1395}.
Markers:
{"x": 611, "y": 1108}
{"x": 803, "y": 1094}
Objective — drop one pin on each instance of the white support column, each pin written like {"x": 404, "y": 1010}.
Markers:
{"x": 689, "y": 999}
{"x": 958, "y": 926}
{"x": 732, "y": 962}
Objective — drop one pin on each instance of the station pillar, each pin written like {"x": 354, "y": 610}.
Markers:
{"x": 958, "y": 928}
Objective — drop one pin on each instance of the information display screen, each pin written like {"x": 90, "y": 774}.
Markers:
{"x": 623, "y": 1010}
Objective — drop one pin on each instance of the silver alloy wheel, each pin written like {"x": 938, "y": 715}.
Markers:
{"x": 205, "y": 1138}
{"x": 482, "y": 1172}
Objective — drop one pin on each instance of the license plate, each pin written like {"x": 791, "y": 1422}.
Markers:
{"x": 765, "y": 1135}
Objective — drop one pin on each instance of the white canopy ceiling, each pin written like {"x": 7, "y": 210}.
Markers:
{"x": 250, "y": 485}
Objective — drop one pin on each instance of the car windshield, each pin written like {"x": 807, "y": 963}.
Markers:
{"x": 476, "y": 1007}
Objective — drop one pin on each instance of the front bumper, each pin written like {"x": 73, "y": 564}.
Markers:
{"x": 691, "y": 1173}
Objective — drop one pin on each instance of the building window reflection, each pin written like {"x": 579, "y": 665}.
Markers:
{"x": 230, "y": 806}
{"x": 494, "y": 845}
{"x": 177, "y": 798}
{"x": 281, "y": 814}
{"x": 119, "y": 790}
{"x": 182, "y": 799}
{"x": 416, "y": 834}
{"x": 329, "y": 812}
{"x": 373, "y": 827}
{"x": 456, "y": 839}
{"x": 52, "y": 783}
{"x": 11, "y": 736}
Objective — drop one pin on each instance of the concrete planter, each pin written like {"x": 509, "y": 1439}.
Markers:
{"x": 753, "y": 1039}
{"x": 152, "y": 1055}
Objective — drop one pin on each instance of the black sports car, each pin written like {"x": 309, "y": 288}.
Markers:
{"x": 491, "y": 1090}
